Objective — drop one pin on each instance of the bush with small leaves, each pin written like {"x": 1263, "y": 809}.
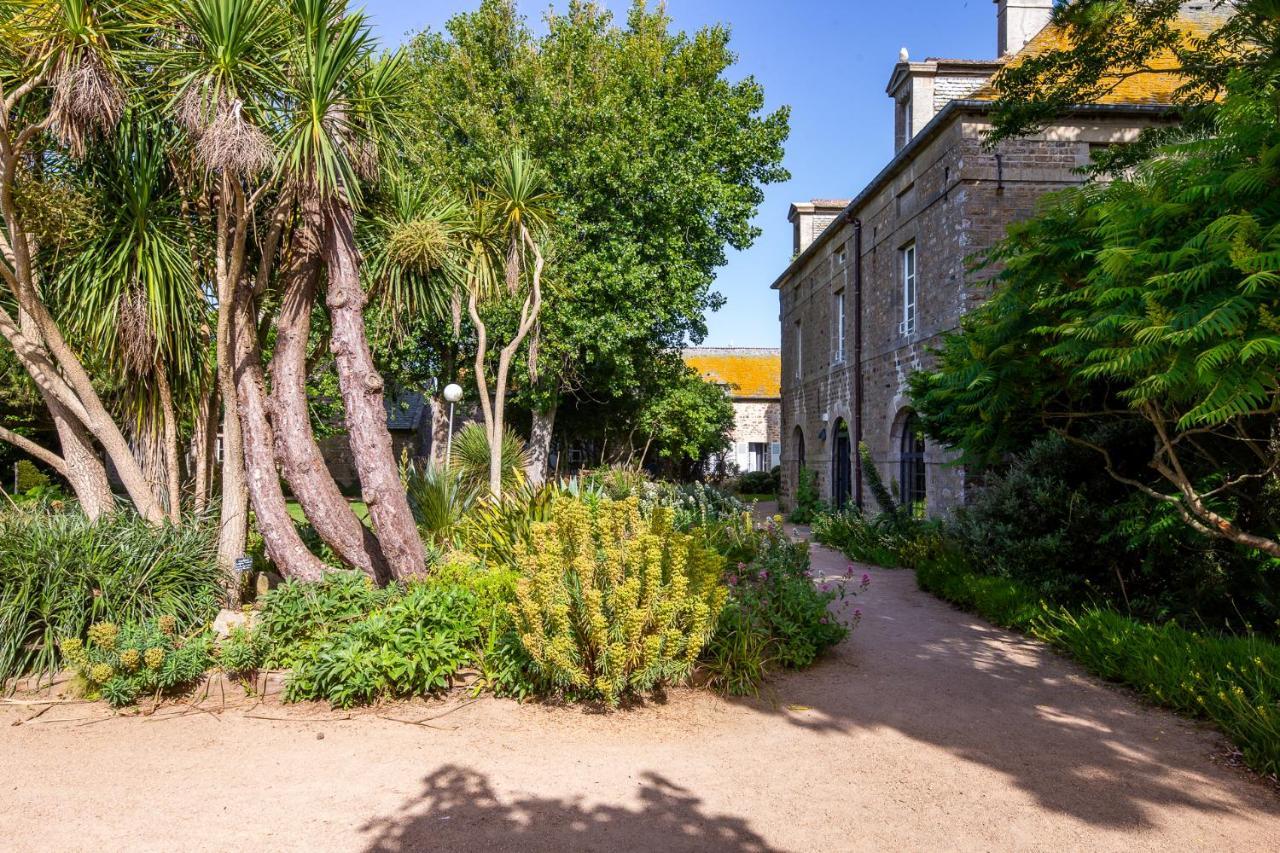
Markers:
{"x": 611, "y": 603}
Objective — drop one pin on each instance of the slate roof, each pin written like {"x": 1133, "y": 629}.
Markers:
{"x": 406, "y": 410}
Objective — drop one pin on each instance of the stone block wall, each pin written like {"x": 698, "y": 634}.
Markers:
{"x": 950, "y": 198}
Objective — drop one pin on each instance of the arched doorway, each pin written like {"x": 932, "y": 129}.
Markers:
{"x": 797, "y": 454}
{"x": 912, "y": 476}
{"x": 841, "y": 464}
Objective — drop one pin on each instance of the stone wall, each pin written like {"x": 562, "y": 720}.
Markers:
{"x": 950, "y": 197}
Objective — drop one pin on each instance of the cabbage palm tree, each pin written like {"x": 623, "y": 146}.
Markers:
{"x": 60, "y": 73}
{"x": 341, "y": 102}
{"x": 224, "y": 63}
{"x": 512, "y": 216}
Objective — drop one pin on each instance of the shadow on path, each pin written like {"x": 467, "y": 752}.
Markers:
{"x": 458, "y": 809}
{"x": 945, "y": 678}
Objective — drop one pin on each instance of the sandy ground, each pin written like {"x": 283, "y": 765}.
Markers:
{"x": 927, "y": 730}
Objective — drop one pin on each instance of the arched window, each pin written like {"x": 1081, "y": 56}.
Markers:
{"x": 912, "y": 477}
{"x": 799, "y": 446}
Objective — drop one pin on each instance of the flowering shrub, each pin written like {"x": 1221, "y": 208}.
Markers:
{"x": 610, "y": 602}
{"x": 120, "y": 664}
{"x": 777, "y": 615}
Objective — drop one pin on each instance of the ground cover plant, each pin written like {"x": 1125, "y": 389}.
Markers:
{"x": 61, "y": 573}
{"x": 120, "y": 664}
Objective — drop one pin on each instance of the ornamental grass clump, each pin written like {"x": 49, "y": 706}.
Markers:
{"x": 122, "y": 664}
{"x": 612, "y": 603}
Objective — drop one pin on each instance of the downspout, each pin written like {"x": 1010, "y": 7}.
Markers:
{"x": 857, "y": 362}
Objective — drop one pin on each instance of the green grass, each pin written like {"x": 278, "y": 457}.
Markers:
{"x": 757, "y": 498}
{"x": 295, "y": 510}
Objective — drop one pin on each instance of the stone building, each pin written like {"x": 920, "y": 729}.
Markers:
{"x": 876, "y": 280}
{"x": 751, "y": 377}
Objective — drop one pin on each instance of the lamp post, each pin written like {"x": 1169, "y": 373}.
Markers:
{"x": 452, "y": 394}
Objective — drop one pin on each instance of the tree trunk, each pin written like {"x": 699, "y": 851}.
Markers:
{"x": 284, "y": 546}
{"x": 82, "y": 467}
{"x": 233, "y": 527}
{"x": 439, "y": 432}
{"x": 173, "y": 471}
{"x": 203, "y": 440}
{"x": 300, "y": 459}
{"x": 366, "y": 414}
{"x": 540, "y": 431}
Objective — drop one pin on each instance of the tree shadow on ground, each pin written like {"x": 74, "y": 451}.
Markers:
{"x": 946, "y": 679}
{"x": 459, "y": 809}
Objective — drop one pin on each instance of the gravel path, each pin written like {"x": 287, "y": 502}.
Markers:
{"x": 927, "y": 730}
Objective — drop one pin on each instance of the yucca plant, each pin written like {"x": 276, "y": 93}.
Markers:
{"x": 440, "y": 499}
{"x": 469, "y": 457}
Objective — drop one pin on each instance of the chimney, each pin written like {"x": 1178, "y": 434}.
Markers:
{"x": 1018, "y": 22}
{"x": 811, "y": 218}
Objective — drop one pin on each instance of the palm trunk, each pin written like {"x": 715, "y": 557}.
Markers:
{"x": 173, "y": 471}
{"x": 301, "y": 462}
{"x": 233, "y": 527}
{"x": 540, "y": 431}
{"x": 51, "y": 363}
{"x": 203, "y": 440}
{"x": 284, "y": 546}
{"x": 83, "y": 469}
{"x": 366, "y": 414}
{"x": 439, "y": 431}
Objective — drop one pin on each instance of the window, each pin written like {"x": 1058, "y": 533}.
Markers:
{"x": 757, "y": 459}
{"x": 912, "y": 475}
{"x": 908, "y": 325}
{"x": 838, "y": 314}
{"x": 799, "y": 350}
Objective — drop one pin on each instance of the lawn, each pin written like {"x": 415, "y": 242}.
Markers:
{"x": 361, "y": 510}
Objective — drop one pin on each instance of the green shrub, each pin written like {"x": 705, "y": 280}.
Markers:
{"x": 867, "y": 539}
{"x": 27, "y": 477}
{"x": 610, "y": 603}
{"x": 120, "y": 664}
{"x": 776, "y": 614}
{"x": 60, "y": 573}
{"x": 412, "y": 646}
{"x": 242, "y": 652}
{"x": 1126, "y": 551}
{"x": 756, "y": 483}
{"x": 294, "y": 617}
{"x": 807, "y": 505}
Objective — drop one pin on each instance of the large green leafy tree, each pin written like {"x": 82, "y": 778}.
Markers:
{"x": 1151, "y": 300}
{"x": 656, "y": 158}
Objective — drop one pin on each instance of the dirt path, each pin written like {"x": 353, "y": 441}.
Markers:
{"x": 927, "y": 730}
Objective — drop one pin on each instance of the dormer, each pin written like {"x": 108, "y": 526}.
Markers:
{"x": 921, "y": 89}
{"x": 811, "y": 218}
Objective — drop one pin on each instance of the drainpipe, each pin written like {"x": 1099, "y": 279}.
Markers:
{"x": 857, "y": 362}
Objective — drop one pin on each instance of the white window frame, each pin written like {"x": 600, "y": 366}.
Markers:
{"x": 840, "y": 319}
{"x": 910, "y": 295}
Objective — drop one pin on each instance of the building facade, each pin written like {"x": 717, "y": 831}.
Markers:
{"x": 750, "y": 376}
{"x": 877, "y": 280}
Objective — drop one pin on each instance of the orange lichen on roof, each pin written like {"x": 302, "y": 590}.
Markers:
{"x": 747, "y": 376}
{"x": 1155, "y": 84}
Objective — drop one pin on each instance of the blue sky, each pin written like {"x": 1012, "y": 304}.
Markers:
{"x": 830, "y": 62}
